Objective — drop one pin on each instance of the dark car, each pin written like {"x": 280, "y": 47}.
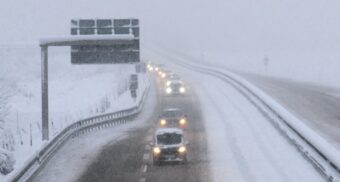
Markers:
{"x": 175, "y": 88}
{"x": 173, "y": 117}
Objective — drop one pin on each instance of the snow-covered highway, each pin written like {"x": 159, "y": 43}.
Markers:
{"x": 242, "y": 145}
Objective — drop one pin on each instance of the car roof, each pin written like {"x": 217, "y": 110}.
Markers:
{"x": 174, "y": 78}
{"x": 173, "y": 75}
{"x": 161, "y": 131}
{"x": 171, "y": 109}
{"x": 176, "y": 82}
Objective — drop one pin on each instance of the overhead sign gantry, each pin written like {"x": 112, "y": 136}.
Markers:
{"x": 123, "y": 51}
{"x": 92, "y": 41}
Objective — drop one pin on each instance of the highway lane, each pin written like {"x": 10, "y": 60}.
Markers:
{"x": 130, "y": 159}
{"x": 317, "y": 106}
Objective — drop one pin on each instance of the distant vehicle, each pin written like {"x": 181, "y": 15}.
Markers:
{"x": 165, "y": 73}
{"x": 169, "y": 146}
{"x": 173, "y": 117}
{"x": 172, "y": 78}
{"x": 175, "y": 88}
{"x": 158, "y": 67}
{"x": 150, "y": 66}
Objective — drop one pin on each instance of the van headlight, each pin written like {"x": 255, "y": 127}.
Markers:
{"x": 163, "y": 122}
{"x": 182, "y": 89}
{"x": 168, "y": 90}
{"x": 182, "y": 149}
{"x": 156, "y": 150}
{"x": 182, "y": 121}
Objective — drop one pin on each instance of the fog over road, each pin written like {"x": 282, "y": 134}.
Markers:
{"x": 317, "y": 106}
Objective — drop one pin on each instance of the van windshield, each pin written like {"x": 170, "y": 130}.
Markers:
{"x": 169, "y": 138}
{"x": 172, "y": 113}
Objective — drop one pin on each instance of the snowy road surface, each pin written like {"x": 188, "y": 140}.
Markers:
{"x": 243, "y": 145}
{"x": 232, "y": 141}
{"x": 317, "y": 106}
{"x": 130, "y": 159}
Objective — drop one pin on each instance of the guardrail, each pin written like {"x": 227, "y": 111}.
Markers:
{"x": 80, "y": 127}
{"x": 321, "y": 155}
{"x": 327, "y": 164}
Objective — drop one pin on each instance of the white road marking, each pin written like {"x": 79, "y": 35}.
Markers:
{"x": 144, "y": 168}
{"x": 146, "y": 157}
{"x": 141, "y": 180}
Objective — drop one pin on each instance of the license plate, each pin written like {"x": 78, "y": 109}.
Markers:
{"x": 169, "y": 156}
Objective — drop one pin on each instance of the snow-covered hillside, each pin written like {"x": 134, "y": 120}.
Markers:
{"x": 75, "y": 92}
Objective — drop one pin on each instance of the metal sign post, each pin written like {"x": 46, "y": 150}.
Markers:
{"x": 115, "y": 41}
{"x": 133, "y": 85}
{"x": 44, "y": 92}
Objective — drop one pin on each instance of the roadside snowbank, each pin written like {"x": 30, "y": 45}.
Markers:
{"x": 75, "y": 92}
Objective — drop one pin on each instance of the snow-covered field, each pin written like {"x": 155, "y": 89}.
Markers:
{"x": 75, "y": 92}
{"x": 318, "y": 67}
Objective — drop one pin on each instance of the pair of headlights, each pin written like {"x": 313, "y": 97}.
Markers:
{"x": 168, "y": 90}
{"x": 181, "y": 121}
{"x": 157, "y": 150}
{"x": 161, "y": 74}
{"x": 150, "y": 67}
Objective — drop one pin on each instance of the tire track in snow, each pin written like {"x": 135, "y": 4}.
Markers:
{"x": 257, "y": 138}
{"x": 232, "y": 141}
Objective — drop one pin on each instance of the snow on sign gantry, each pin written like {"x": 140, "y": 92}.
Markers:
{"x": 96, "y": 41}
{"x": 120, "y": 50}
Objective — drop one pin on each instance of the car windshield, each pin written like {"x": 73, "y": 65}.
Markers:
{"x": 169, "y": 139}
{"x": 175, "y": 84}
{"x": 173, "y": 79}
{"x": 172, "y": 114}
{"x": 174, "y": 76}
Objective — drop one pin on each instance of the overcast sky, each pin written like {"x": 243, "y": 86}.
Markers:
{"x": 232, "y": 25}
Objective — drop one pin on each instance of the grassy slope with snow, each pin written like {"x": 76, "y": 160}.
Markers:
{"x": 75, "y": 92}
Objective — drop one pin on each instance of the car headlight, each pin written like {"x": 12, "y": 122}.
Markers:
{"x": 156, "y": 68}
{"x": 163, "y": 75}
{"x": 151, "y": 68}
{"x": 182, "y": 89}
{"x": 168, "y": 90}
{"x": 182, "y": 149}
{"x": 182, "y": 121}
{"x": 168, "y": 83}
{"x": 156, "y": 150}
{"x": 163, "y": 122}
